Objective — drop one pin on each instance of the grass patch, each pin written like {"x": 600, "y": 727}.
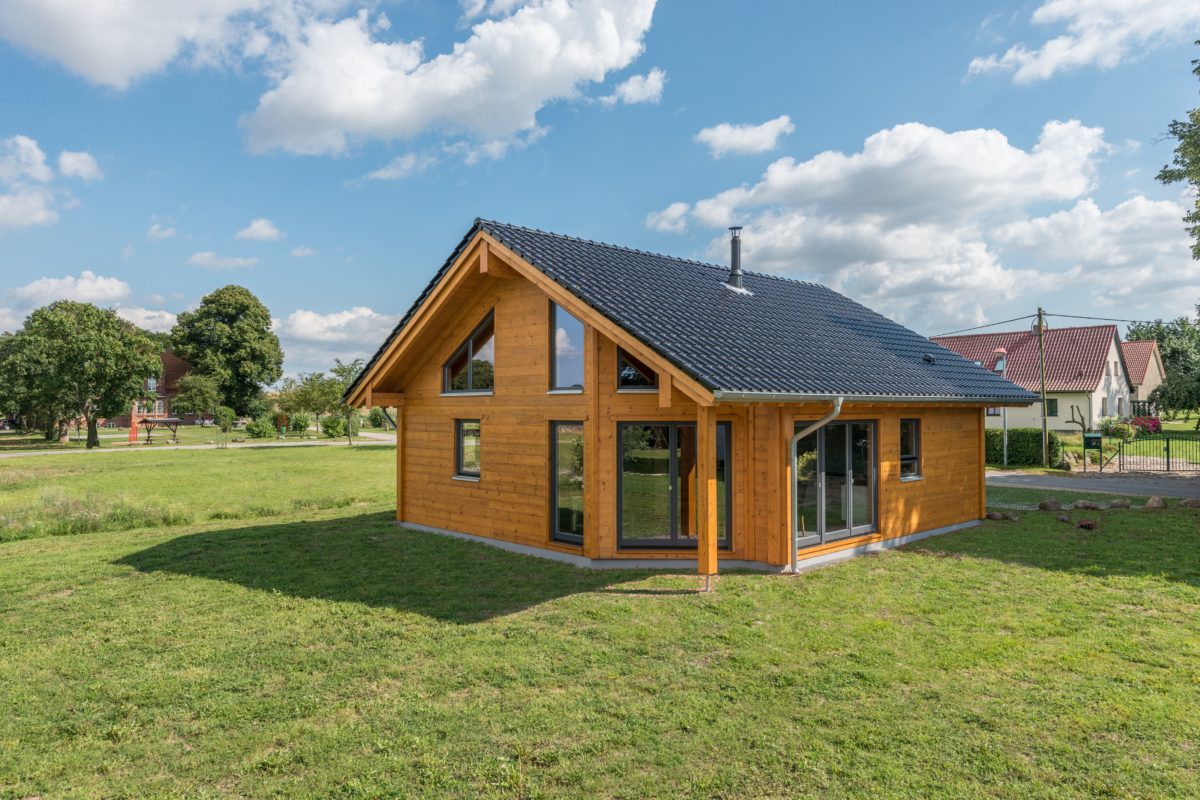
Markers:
{"x": 326, "y": 653}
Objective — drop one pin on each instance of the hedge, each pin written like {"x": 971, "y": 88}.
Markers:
{"x": 1024, "y": 447}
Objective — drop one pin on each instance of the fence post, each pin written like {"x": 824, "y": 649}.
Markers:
{"x": 1168, "y": 454}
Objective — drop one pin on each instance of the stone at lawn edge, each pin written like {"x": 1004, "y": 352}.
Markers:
{"x": 1050, "y": 505}
{"x": 1155, "y": 502}
{"x": 1120, "y": 502}
{"x": 995, "y": 515}
{"x": 1064, "y": 517}
{"x": 1190, "y": 502}
{"x": 1011, "y": 517}
{"x": 1090, "y": 505}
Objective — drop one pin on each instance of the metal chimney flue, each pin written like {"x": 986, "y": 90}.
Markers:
{"x": 735, "y": 257}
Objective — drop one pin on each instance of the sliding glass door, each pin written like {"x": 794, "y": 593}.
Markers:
{"x": 834, "y": 475}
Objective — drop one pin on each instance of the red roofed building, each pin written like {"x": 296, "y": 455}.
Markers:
{"x": 1085, "y": 372}
{"x": 1145, "y": 365}
{"x": 164, "y": 391}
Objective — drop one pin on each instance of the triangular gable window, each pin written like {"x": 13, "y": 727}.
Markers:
{"x": 472, "y": 367}
{"x": 633, "y": 374}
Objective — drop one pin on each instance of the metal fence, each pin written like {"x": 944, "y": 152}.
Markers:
{"x": 1159, "y": 453}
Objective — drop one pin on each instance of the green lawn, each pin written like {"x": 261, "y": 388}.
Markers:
{"x": 325, "y": 653}
{"x": 114, "y": 438}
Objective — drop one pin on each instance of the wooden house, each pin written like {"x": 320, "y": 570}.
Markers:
{"x": 612, "y": 407}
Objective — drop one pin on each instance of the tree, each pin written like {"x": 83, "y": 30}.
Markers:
{"x": 1179, "y": 344}
{"x": 198, "y": 394}
{"x": 229, "y": 339}
{"x": 1185, "y": 164}
{"x": 85, "y": 361}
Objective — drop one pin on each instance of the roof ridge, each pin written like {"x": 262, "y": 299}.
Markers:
{"x": 627, "y": 249}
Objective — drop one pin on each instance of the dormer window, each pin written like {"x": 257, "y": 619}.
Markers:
{"x": 472, "y": 367}
{"x": 151, "y": 384}
{"x": 633, "y": 374}
{"x": 1001, "y": 363}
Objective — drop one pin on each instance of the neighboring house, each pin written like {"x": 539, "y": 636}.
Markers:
{"x": 1145, "y": 366}
{"x": 163, "y": 391}
{"x": 612, "y": 407}
{"x": 616, "y": 408}
{"x": 1085, "y": 373}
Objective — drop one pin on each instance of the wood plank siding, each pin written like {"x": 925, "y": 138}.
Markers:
{"x": 511, "y": 501}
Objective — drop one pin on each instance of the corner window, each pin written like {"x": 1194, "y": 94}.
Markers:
{"x": 472, "y": 367}
{"x": 633, "y": 374}
{"x": 910, "y": 448}
{"x": 566, "y": 350}
{"x": 1052, "y": 407}
{"x": 566, "y": 462}
{"x": 466, "y": 448}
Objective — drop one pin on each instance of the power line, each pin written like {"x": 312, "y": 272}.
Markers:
{"x": 1098, "y": 319}
{"x": 989, "y": 325}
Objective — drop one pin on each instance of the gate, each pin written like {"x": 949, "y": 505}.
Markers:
{"x": 1159, "y": 453}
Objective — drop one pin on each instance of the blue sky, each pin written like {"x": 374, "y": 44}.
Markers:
{"x": 947, "y": 164}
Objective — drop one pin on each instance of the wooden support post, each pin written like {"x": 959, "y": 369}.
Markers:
{"x": 706, "y": 485}
{"x": 400, "y": 463}
{"x": 592, "y": 485}
{"x": 664, "y": 390}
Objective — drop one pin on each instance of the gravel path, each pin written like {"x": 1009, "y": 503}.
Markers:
{"x": 1175, "y": 485}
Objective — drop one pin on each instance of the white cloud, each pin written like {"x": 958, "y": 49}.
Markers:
{"x": 672, "y": 219}
{"x": 157, "y": 232}
{"x": 25, "y": 198}
{"x": 745, "y": 139}
{"x": 303, "y": 251}
{"x": 933, "y": 227}
{"x": 402, "y": 166}
{"x": 312, "y": 340}
{"x": 10, "y": 319}
{"x": 88, "y": 287}
{"x": 260, "y": 230}
{"x": 489, "y": 8}
{"x": 338, "y": 83}
{"x": 127, "y": 251}
{"x": 646, "y": 88}
{"x": 80, "y": 165}
{"x": 210, "y": 260}
{"x": 148, "y": 319}
{"x": 114, "y": 43}
{"x": 22, "y": 160}
{"x": 1099, "y": 33}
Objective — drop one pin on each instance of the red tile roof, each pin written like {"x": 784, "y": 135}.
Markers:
{"x": 1075, "y": 357}
{"x": 1138, "y": 356}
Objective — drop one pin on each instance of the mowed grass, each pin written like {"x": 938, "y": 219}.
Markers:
{"x": 330, "y": 654}
{"x": 90, "y": 492}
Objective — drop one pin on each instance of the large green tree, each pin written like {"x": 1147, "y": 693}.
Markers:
{"x": 229, "y": 338}
{"x": 197, "y": 394}
{"x": 84, "y": 361}
{"x": 1185, "y": 164}
{"x": 1179, "y": 343}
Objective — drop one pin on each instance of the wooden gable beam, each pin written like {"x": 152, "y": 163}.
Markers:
{"x": 493, "y": 267}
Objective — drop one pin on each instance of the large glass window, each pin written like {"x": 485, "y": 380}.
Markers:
{"x": 467, "y": 439}
{"x": 633, "y": 374}
{"x": 566, "y": 363}
{"x": 910, "y": 448}
{"x": 472, "y": 367}
{"x": 566, "y": 460}
{"x": 834, "y": 480}
{"x": 658, "y": 488}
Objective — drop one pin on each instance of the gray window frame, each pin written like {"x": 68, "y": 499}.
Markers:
{"x": 556, "y": 535}
{"x": 914, "y": 458}
{"x": 459, "y": 471}
{"x": 469, "y": 347}
{"x": 725, "y": 542}
{"x": 554, "y": 385}
{"x": 1051, "y": 407}
{"x": 624, "y": 355}
{"x": 822, "y": 535}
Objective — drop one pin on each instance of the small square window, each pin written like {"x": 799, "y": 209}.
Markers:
{"x": 467, "y": 448}
{"x": 910, "y": 448}
{"x": 1052, "y": 407}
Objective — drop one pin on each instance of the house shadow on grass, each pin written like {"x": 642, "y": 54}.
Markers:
{"x": 1162, "y": 544}
{"x": 368, "y": 559}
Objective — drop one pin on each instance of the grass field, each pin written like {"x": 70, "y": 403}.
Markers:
{"x": 117, "y": 438}
{"x": 325, "y": 653}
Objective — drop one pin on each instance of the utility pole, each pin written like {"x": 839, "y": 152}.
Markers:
{"x": 1041, "y": 326}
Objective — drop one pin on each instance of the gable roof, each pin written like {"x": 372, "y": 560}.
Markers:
{"x": 1138, "y": 356}
{"x": 784, "y": 339}
{"x": 1075, "y": 357}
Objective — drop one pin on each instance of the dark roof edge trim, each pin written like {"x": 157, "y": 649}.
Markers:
{"x": 793, "y": 397}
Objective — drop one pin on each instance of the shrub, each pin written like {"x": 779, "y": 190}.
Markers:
{"x": 1024, "y": 447}
{"x": 261, "y": 428}
{"x": 334, "y": 426}
{"x": 224, "y": 416}
{"x": 376, "y": 417}
{"x": 1147, "y": 424}
{"x": 299, "y": 423}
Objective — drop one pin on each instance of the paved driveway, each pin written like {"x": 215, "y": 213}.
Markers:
{"x": 1160, "y": 485}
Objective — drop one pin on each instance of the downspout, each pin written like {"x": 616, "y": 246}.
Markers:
{"x": 793, "y": 566}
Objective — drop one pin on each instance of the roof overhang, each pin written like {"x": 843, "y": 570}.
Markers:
{"x": 805, "y": 397}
